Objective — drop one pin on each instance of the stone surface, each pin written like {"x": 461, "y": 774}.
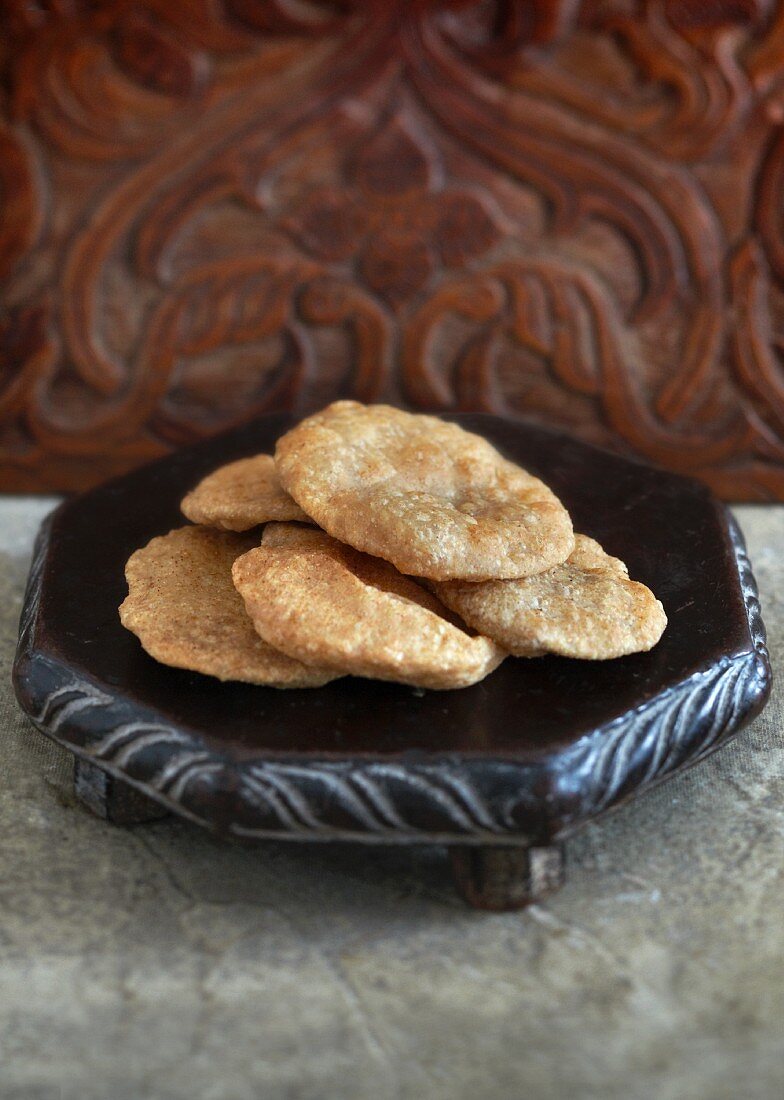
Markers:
{"x": 159, "y": 962}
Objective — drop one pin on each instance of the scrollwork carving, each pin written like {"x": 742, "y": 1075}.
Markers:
{"x": 445, "y": 204}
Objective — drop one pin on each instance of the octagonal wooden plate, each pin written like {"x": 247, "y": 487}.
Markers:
{"x": 519, "y": 760}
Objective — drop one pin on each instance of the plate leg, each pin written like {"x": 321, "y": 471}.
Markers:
{"x": 503, "y": 878}
{"x": 112, "y": 799}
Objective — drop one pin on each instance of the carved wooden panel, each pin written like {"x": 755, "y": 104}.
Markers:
{"x": 567, "y": 210}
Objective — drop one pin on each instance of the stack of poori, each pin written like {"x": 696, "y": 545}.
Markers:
{"x": 394, "y": 546}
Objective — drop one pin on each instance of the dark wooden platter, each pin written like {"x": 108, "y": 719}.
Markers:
{"x": 501, "y": 772}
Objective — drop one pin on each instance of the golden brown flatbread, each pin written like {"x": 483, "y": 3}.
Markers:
{"x": 586, "y": 608}
{"x": 185, "y": 611}
{"x": 435, "y": 500}
{"x": 241, "y": 495}
{"x": 327, "y": 604}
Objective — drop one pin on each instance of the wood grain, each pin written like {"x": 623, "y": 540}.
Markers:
{"x": 565, "y": 211}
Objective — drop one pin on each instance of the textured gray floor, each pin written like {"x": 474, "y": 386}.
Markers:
{"x": 157, "y": 962}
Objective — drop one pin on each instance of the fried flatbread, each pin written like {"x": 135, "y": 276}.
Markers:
{"x": 326, "y": 604}
{"x": 186, "y": 612}
{"x": 241, "y": 495}
{"x": 435, "y": 500}
{"x": 586, "y": 608}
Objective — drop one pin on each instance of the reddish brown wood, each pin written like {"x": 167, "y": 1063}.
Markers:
{"x": 570, "y": 211}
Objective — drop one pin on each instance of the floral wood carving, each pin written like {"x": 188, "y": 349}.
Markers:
{"x": 567, "y": 211}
